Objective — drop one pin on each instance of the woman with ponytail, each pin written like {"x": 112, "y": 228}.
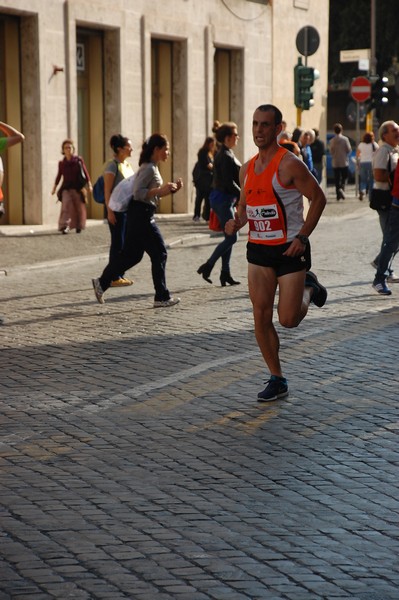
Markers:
{"x": 142, "y": 232}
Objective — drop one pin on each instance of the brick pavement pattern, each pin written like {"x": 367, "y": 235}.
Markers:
{"x": 135, "y": 460}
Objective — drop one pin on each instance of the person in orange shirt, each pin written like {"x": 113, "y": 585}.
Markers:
{"x": 273, "y": 184}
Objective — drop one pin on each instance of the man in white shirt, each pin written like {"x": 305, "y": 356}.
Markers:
{"x": 384, "y": 164}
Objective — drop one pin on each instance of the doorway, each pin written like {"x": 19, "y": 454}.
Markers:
{"x": 90, "y": 105}
{"x": 10, "y": 112}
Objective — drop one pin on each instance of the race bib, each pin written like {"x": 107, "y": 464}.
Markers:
{"x": 265, "y": 223}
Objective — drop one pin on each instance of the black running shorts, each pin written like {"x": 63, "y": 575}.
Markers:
{"x": 272, "y": 256}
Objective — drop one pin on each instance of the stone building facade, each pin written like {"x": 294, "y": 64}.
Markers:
{"x": 89, "y": 68}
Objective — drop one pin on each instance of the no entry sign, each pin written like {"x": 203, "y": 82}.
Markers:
{"x": 361, "y": 89}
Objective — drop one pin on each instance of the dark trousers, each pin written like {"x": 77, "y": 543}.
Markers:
{"x": 390, "y": 244}
{"x": 340, "y": 175}
{"x": 117, "y": 232}
{"x": 142, "y": 235}
{"x": 383, "y": 216}
{"x": 202, "y": 194}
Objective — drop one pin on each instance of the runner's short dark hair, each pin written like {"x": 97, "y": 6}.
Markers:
{"x": 278, "y": 117}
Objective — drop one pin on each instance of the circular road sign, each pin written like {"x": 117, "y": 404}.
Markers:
{"x": 360, "y": 89}
{"x": 307, "y": 40}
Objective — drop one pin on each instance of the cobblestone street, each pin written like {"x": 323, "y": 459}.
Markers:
{"x": 135, "y": 460}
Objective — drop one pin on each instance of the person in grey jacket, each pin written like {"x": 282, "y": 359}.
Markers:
{"x": 142, "y": 232}
{"x": 340, "y": 149}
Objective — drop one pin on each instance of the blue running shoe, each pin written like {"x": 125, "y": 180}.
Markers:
{"x": 381, "y": 288}
{"x": 276, "y": 388}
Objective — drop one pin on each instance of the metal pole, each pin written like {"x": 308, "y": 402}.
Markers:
{"x": 306, "y": 46}
{"x": 298, "y": 116}
{"x": 357, "y": 144}
{"x": 373, "y": 60}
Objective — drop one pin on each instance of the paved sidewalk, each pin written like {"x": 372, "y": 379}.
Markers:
{"x": 135, "y": 460}
{"x": 32, "y": 245}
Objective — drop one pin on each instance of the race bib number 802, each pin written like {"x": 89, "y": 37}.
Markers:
{"x": 264, "y": 223}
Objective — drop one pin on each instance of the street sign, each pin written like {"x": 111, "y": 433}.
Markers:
{"x": 307, "y": 40}
{"x": 360, "y": 89}
{"x": 364, "y": 64}
{"x": 354, "y": 55}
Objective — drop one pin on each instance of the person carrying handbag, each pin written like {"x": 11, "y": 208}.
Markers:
{"x": 75, "y": 182}
{"x": 390, "y": 242}
{"x": 224, "y": 195}
{"x": 115, "y": 172}
{"x": 384, "y": 164}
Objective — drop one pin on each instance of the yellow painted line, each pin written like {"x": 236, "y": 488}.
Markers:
{"x": 251, "y": 426}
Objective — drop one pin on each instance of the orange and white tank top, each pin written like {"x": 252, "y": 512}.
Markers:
{"x": 274, "y": 211}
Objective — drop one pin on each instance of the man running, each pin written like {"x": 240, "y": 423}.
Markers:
{"x": 273, "y": 184}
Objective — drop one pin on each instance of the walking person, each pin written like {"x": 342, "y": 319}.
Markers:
{"x": 202, "y": 177}
{"x": 142, "y": 232}
{"x": 273, "y": 184}
{"x": 384, "y": 164}
{"x": 72, "y": 192}
{"x": 340, "y": 149}
{"x": 390, "y": 242}
{"x": 364, "y": 154}
{"x": 224, "y": 195}
{"x": 116, "y": 170}
{"x": 318, "y": 151}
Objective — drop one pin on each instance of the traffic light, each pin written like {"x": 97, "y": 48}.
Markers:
{"x": 379, "y": 92}
{"x": 304, "y": 78}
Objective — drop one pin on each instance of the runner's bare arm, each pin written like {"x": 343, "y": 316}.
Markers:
{"x": 13, "y": 135}
{"x": 294, "y": 172}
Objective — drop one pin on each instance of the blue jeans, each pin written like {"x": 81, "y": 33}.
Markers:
{"x": 318, "y": 171}
{"x": 366, "y": 176}
{"x": 142, "y": 235}
{"x": 223, "y": 205}
{"x": 390, "y": 244}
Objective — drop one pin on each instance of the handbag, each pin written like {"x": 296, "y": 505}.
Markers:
{"x": 98, "y": 190}
{"x": 82, "y": 179}
{"x": 122, "y": 195}
{"x": 98, "y": 187}
{"x": 380, "y": 200}
{"x": 214, "y": 223}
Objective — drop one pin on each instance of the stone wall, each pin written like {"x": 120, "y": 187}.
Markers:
{"x": 262, "y": 33}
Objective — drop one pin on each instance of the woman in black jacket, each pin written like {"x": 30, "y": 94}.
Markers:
{"x": 202, "y": 177}
{"x": 224, "y": 195}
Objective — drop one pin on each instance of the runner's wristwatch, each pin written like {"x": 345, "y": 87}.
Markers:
{"x": 302, "y": 238}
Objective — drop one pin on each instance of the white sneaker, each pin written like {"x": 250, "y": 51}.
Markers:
{"x": 98, "y": 291}
{"x": 393, "y": 278}
{"x": 166, "y": 303}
